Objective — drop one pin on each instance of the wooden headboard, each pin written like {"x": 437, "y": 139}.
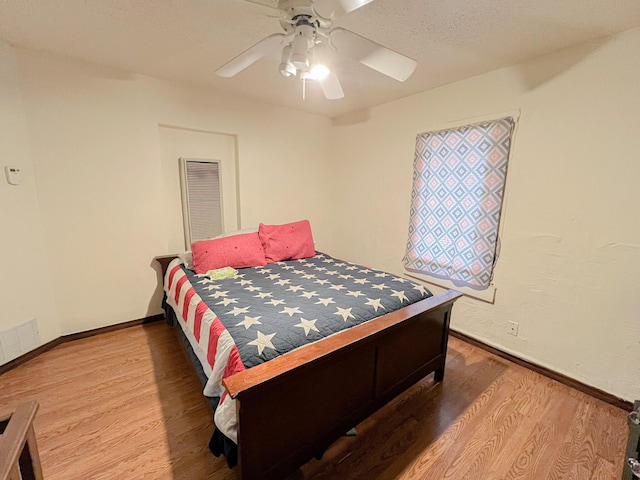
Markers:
{"x": 164, "y": 261}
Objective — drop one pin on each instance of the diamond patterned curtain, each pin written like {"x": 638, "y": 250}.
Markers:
{"x": 458, "y": 184}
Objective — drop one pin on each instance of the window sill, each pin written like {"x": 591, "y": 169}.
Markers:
{"x": 487, "y": 295}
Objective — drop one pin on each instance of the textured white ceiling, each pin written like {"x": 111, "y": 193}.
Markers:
{"x": 186, "y": 40}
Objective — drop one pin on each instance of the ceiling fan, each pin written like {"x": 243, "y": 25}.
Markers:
{"x": 308, "y": 41}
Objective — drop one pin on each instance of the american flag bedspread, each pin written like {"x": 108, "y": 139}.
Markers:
{"x": 263, "y": 312}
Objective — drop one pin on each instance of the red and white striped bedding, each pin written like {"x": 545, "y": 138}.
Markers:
{"x": 209, "y": 340}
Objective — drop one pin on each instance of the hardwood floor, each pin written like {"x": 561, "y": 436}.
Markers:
{"x": 127, "y": 405}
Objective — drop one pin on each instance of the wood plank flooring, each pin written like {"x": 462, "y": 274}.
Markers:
{"x": 127, "y": 405}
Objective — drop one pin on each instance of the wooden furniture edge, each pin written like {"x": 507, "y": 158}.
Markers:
{"x": 164, "y": 261}
{"x": 19, "y": 432}
{"x": 296, "y": 359}
{"x": 547, "y": 372}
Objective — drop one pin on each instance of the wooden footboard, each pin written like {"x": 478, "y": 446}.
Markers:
{"x": 292, "y": 408}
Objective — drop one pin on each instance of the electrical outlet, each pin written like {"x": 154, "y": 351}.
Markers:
{"x": 512, "y": 329}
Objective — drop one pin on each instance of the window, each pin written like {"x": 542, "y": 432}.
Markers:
{"x": 201, "y": 199}
{"x": 458, "y": 185}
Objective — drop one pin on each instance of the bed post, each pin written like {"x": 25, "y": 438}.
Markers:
{"x": 438, "y": 375}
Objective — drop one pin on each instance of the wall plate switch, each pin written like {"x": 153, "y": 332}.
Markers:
{"x": 14, "y": 175}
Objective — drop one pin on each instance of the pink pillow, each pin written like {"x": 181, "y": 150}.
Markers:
{"x": 290, "y": 241}
{"x": 238, "y": 251}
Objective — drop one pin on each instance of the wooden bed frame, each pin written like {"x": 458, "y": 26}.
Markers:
{"x": 293, "y": 407}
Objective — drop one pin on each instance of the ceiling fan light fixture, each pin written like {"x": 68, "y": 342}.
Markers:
{"x": 300, "y": 46}
{"x": 299, "y": 57}
{"x": 300, "y": 61}
{"x": 286, "y": 69}
{"x": 319, "y": 71}
{"x": 320, "y": 66}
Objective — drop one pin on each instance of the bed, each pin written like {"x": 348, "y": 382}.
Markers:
{"x": 289, "y": 409}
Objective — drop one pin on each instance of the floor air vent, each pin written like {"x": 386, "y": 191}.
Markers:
{"x": 19, "y": 340}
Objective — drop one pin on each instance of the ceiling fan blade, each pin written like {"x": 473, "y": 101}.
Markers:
{"x": 373, "y": 55}
{"x": 329, "y": 8}
{"x": 268, "y": 7}
{"x": 266, "y": 46}
{"x": 331, "y": 87}
{"x": 351, "y": 5}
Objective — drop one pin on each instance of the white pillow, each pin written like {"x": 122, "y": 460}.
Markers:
{"x": 187, "y": 259}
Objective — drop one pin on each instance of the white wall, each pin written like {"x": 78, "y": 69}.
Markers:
{"x": 569, "y": 271}
{"x": 94, "y": 138}
{"x": 24, "y": 262}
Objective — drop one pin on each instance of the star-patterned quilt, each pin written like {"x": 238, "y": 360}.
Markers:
{"x": 263, "y": 312}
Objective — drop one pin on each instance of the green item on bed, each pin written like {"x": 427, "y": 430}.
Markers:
{"x": 222, "y": 273}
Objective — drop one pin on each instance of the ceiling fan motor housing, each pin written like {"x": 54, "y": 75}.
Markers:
{"x": 296, "y": 7}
